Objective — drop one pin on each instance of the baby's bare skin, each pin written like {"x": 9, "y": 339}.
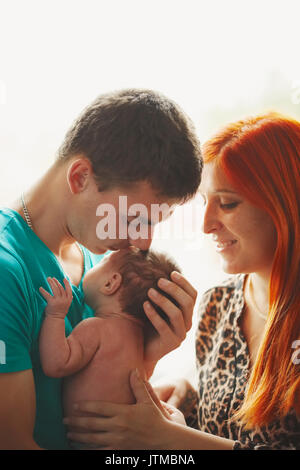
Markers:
{"x": 119, "y": 348}
{"x": 96, "y": 358}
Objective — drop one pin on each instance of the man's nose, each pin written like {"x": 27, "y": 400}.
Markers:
{"x": 141, "y": 243}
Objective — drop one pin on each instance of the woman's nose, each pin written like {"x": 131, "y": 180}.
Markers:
{"x": 210, "y": 219}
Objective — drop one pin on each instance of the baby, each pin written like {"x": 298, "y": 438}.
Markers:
{"x": 99, "y": 354}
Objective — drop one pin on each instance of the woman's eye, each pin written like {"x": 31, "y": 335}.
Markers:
{"x": 230, "y": 205}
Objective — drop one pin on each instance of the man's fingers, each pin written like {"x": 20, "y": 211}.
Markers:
{"x": 101, "y": 408}
{"x": 175, "y": 315}
{"x": 181, "y": 281}
{"x": 144, "y": 392}
{"x": 185, "y": 298}
{"x": 139, "y": 388}
{"x": 88, "y": 423}
{"x": 100, "y": 439}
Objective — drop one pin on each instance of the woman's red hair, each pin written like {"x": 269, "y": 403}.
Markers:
{"x": 260, "y": 156}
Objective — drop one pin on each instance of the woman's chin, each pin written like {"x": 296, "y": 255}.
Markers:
{"x": 230, "y": 268}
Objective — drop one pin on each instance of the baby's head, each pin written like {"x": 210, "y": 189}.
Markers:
{"x": 120, "y": 283}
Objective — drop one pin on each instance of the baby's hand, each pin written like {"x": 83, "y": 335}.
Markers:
{"x": 59, "y": 303}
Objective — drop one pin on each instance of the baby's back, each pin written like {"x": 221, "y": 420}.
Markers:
{"x": 106, "y": 376}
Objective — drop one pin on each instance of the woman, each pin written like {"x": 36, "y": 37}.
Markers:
{"x": 249, "y": 374}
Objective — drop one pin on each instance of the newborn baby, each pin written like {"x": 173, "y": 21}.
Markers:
{"x": 99, "y": 354}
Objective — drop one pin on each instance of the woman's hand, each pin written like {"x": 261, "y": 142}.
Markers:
{"x": 177, "y": 394}
{"x": 144, "y": 425}
{"x": 170, "y": 336}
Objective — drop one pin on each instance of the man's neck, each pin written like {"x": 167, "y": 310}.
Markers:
{"x": 46, "y": 210}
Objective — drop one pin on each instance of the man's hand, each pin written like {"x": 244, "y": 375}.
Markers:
{"x": 170, "y": 336}
{"x": 143, "y": 425}
{"x": 59, "y": 303}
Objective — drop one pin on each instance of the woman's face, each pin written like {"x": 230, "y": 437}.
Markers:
{"x": 245, "y": 235}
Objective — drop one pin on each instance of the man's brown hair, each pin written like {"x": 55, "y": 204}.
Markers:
{"x": 134, "y": 135}
{"x": 140, "y": 271}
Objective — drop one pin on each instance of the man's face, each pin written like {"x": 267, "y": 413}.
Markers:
{"x": 111, "y": 219}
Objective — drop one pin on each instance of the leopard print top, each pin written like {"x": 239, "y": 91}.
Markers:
{"x": 223, "y": 366}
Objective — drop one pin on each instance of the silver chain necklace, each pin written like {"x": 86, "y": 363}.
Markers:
{"x": 26, "y": 213}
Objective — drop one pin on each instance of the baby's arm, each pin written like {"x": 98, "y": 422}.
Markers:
{"x": 61, "y": 356}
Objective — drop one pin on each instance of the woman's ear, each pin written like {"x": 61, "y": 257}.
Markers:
{"x": 112, "y": 284}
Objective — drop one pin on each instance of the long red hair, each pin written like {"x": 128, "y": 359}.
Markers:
{"x": 260, "y": 156}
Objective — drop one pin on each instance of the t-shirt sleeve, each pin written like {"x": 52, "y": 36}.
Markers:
{"x": 15, "y": 317}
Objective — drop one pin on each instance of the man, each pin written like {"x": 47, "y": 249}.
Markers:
{"x": 133, "y": 143}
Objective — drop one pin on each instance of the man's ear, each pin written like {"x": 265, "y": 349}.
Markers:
{"x": 112, "y": 284}
{"x": 79, "y": 173}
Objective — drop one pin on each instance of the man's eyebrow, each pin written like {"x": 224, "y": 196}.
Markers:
{"x": 221, "y": 190}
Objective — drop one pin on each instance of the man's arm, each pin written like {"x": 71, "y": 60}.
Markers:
{"x": 61, "y": 356}
{"x": 17, "y": 411}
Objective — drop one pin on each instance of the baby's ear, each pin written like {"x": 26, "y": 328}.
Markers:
{"x": 112, "y": 284}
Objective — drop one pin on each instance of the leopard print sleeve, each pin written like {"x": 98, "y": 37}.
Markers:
{"x": 223, "y": 368}
{"x": 283, "y": 434}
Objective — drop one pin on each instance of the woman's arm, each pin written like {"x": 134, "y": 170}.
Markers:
{"x": 170, "y": 336}
{"x": 144, "y": 425}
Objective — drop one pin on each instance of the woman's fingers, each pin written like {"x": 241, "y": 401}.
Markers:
{"x": 164, "y": 391}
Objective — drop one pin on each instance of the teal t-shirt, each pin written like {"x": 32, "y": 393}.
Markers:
{"x": 25, "y": 264}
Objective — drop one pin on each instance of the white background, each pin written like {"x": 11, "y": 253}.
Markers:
{"x": 220, "y": 60}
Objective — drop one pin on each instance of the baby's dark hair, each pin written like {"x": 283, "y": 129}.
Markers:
{"x": 140, "y": 271}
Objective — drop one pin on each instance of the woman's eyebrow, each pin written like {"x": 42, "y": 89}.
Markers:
{"x": 225, "y": 190}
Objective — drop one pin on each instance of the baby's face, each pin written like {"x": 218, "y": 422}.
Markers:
{"x": 103, "y": 270}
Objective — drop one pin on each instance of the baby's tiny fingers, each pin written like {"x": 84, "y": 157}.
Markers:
{"x": 68, "y": 288}
{"x": 55, "y": 287}
{"x": 45, "y": 294}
